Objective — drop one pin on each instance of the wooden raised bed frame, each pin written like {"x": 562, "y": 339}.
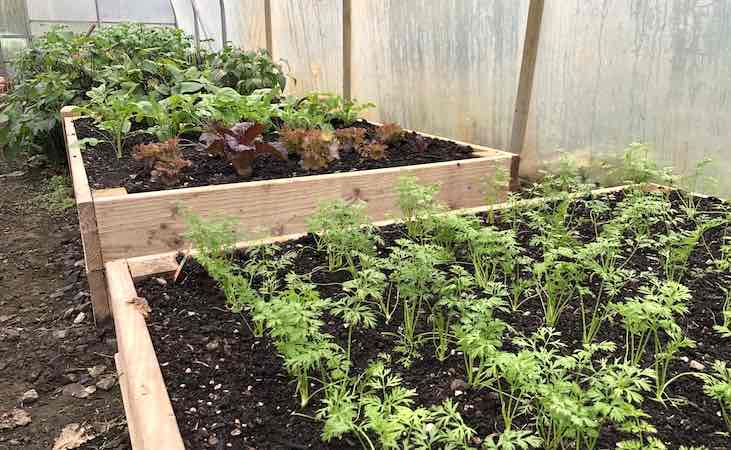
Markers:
{"x": 116, "y": 225}
{"x": 150, "y": 417}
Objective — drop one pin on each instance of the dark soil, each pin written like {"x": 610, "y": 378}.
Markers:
{"x": 104, "y": 170}
{"x": 43, "y": 289}
{"x": 230, "y": 390}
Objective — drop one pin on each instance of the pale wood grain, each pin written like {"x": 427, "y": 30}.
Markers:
{"x": 148, "y": 404}
{"x": 150, "y": 223}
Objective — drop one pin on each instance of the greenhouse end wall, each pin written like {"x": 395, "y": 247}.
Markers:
{"x": 608, "y": 73}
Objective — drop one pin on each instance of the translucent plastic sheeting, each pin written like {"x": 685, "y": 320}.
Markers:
{"x": 307, "y": 35}
{"x": 38, "y": 28}
{"x": 245, "y": 24}
{"x": 11, "y": 47}
{"x": 207, "y": 14}
{"x": 448, "y": 67}
{"x": 61, "y": 10}
{"x": 12, "y": 17}
{"x": 613, "y": 72}
{"x": 148, "y": 11}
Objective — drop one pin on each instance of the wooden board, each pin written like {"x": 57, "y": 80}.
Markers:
{"x": 134, "y": 437}
{"x": 147, "y": 406}
{"x": 99, "y": 298}
{"x": 150, "y": 223}
{"x": 116, "y": 225}
{"x": 87, "y": 219}
{"x": 166, "y": 263}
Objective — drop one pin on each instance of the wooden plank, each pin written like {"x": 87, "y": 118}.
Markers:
{"x": 165, "y": 263}
{"x": 87, "y": 221}
{"x": 347, "y": 48}
{"x": 148, "y": 401}
{"x": 525, "y": 80}
{"x": 150, "y": 223}
{"x": 99, "y": 298}
{"x": 268, "y": 27}
{"x": 111, "y": 192}
{"x": 122, "y": 380}
{"x": 84, "y": 200}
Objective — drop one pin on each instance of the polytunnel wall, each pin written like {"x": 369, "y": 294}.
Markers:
{"x": 607, "y": 72}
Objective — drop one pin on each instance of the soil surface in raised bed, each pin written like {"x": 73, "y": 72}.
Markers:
{"x": 229, "y": 388}
{"x": 104, "y": 170}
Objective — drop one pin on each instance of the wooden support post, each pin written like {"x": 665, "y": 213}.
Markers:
{"x": 525, "y": 81}
{"x": 347, "y": 48}
{"x": 268, "y": 27}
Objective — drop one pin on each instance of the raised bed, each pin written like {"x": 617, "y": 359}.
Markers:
{"x": 116, "y": 224}
{"x": 150, "y": 411}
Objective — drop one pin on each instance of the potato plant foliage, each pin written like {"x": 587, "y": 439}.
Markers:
{"x": 457, "y": 288}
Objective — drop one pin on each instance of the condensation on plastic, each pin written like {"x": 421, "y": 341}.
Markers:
{"x": 610, "y": 73}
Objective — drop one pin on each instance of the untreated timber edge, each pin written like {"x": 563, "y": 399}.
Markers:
{"x": 90, "y": 240}
{"x": 116, "y": 224}
{"x": 166, "y": 263}
{"x": 147, "y": 404}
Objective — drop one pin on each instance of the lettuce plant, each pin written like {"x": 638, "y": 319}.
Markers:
{"x": 163, "y": 160}
{"x": 316, "y": 148}
{"x": 240, "y": 144}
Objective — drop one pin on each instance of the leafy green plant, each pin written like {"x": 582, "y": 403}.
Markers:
{"x": 55, "y": 196}
{"x": 637, "y": 167}
{"x": 677, "y": 247}
{"x": 113, "y": 113}
{"x": 226, "y": 106}
{"x": 479, "y": 335}
{"x": 378, "y": 405}
{"x": 131, "y": 60}
{"x": 513, "y": 440}
{"x": 724, "y": 329}
{"x": 414, "y": 273}
{"x": 452, "y": 295}
{"x": 556, "y": 279}
{"x": 170, "y": 117}
{"x": 320, "y": 110}
{"x": 343, "y": 230}
{"x": 492, "y": 252}
{"x": 417, "y": 204}
{"x": 717, "y": 385}
{"x": 646, "y": 317}
{"x": 245, "y": 71}
{"x": 240, "y": 145}
{"x": 293, "y": 318}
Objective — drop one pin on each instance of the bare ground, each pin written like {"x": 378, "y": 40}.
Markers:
{"x": 48, "y": 341}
